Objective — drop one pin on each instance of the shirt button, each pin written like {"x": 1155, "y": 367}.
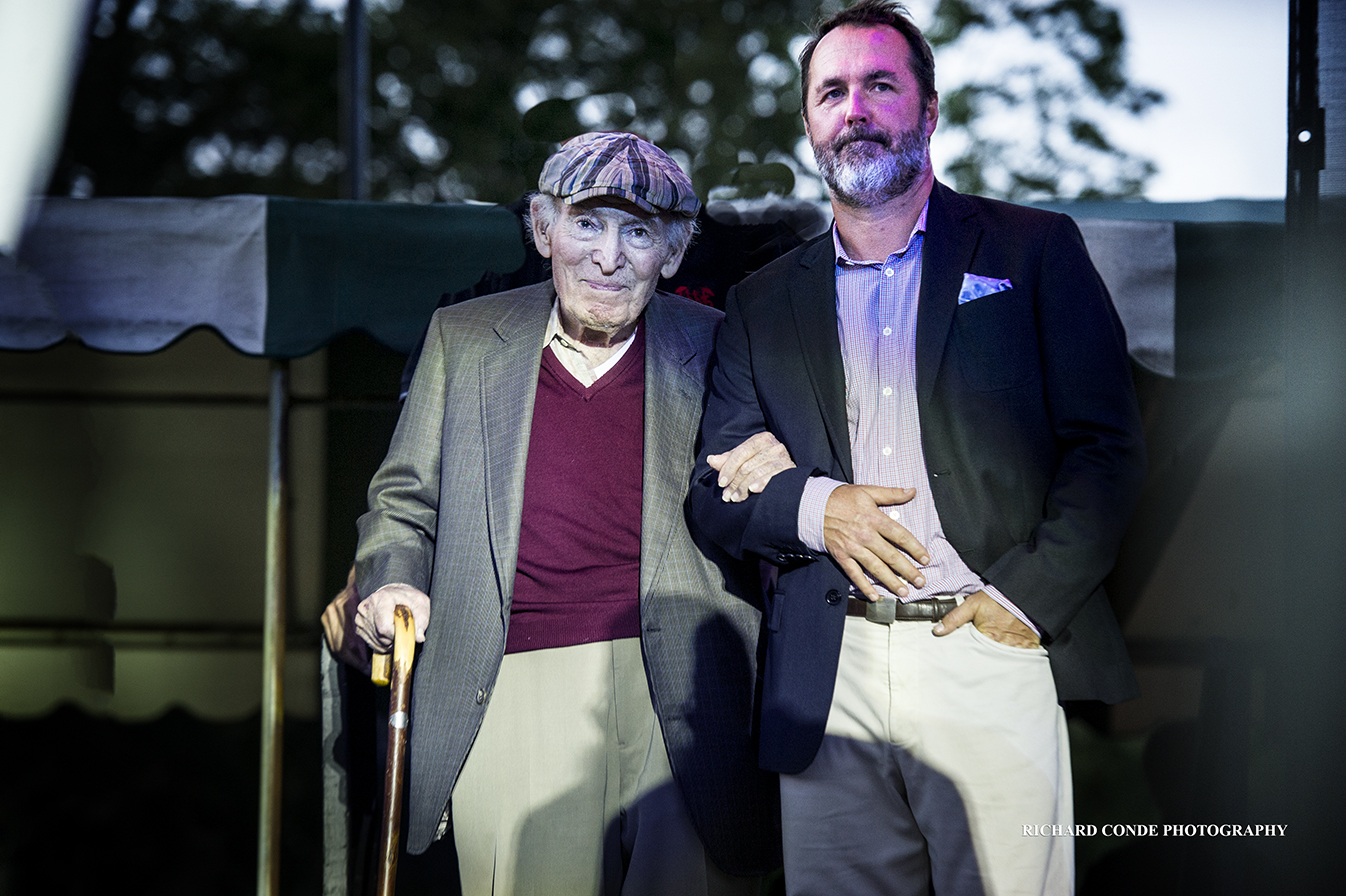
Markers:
{"x": 887, "y": 272}
{"x": 887, "y": 331}
{"x": 887, "y": 451}
{"x": 887, "y": 390}
{"x": 481, "y": 696}
{"x": 894, "y": 514}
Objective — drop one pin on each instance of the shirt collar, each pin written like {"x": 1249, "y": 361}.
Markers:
{"x": 843, "y": 258}
{"x": 554, "y": 326}
{"x": 555, "y": 331}
{"x": 572, "y": 354}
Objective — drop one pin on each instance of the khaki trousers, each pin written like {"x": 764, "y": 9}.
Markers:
{"x": 938, "y": 751}
{"x": 567, "y": 790}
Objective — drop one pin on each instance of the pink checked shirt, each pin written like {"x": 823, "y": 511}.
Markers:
{"x": 876, "y": 321}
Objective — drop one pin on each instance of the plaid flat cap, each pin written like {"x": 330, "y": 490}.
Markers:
{"x": 615, "y": 163}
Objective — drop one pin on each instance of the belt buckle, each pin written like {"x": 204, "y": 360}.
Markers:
{"x": 883, "y": 611}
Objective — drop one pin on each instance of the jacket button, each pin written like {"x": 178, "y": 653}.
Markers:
{"x": 481, "y": 696}
{"x": 834, "y": 597}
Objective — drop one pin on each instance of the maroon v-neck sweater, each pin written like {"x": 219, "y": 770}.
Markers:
{"x": 577, "y": 579}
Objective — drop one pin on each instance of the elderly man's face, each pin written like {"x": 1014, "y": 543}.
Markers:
{"x": 607, "y": 256}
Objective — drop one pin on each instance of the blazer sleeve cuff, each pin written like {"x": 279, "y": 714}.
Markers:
{"x": 773, "y": 528}
{"x": 812, "y": 507}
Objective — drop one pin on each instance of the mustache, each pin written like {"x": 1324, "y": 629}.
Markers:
{"x": 862, "y": 132}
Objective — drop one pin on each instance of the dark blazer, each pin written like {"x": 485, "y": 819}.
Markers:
{"x": 444, "y": 516}
{"x": 1029, "y": 427}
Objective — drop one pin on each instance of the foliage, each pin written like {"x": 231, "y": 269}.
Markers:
{"x": 206, "y": 97}
{"x": 1030, "y": 129}
{"x": 469, "y": 100}
{"x": 201, "y": 98}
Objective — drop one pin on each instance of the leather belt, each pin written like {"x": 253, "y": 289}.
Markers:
{"x": 887, "y": 610}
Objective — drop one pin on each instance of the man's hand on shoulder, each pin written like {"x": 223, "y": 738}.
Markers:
{"x": 866, "y": 542}
{"x": 374, "y": 616}
{"x": 747, "y": 469}
{"x": 991, "y": 619}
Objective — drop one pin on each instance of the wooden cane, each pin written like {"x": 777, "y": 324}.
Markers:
{"x": 380, "y": 668}
{"x": 399, "y": 701}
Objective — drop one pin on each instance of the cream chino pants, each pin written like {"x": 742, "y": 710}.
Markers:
{"x": 938, "y": 751}
{"x": 567, "y": 790}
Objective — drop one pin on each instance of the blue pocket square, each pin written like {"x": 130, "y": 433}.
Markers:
{"x": 974, "y": 287}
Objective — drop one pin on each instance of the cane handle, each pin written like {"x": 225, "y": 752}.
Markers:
{"x": 380, "y": 668}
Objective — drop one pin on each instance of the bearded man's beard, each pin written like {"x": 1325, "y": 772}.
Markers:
{"x": 865, "y": 166}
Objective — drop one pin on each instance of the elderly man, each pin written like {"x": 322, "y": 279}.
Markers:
{"x": 951, "y": 378}
{"x": 582, "y": 713}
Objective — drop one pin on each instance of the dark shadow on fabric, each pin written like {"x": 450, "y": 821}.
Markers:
{"x": 942, "y": 858}
{"x": 721, "y": 703}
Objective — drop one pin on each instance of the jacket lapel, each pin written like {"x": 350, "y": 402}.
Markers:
{"x": 508, "y": 390}
{"x": 951, "y": 235}
{"x": 813, "y": 298}
{"x": 674, "y": 390}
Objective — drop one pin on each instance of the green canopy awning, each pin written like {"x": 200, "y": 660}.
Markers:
{"x": 275, "y": 277}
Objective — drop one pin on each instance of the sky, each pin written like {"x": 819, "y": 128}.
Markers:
{"x": 1222, "y": 66}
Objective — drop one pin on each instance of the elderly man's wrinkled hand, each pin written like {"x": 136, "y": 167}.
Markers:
{"x": 374, "y": 616}
{"x": 747, "y": 469}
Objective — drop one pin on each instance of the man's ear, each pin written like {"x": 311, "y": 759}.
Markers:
{"x": 671, "y": 265}
{"x": 537, "y": 216}
{"x": 931, "y": 115}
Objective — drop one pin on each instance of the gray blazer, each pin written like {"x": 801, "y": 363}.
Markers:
{"x": 444, "y": 516}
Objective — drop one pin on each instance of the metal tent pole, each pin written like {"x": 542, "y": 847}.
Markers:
{"x": 273, "y": 638}
{"x": 1305, "y": 140}
{"x": 355, "y": 101}
{"x": 1306, "y": 694}
{"x": 354, "y": 130}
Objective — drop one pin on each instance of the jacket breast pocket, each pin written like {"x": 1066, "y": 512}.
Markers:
{"x": 996, "y": 341}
